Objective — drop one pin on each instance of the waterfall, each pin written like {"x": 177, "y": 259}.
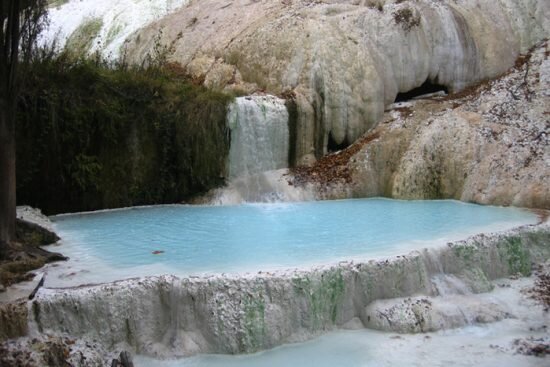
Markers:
{"x": 259, "y": 135}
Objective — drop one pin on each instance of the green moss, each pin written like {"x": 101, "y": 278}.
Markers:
{"x": 324, "y": 297}
{"x": 81, "y": 40}
{"x": 113, "y": 32}
{"x": 517, "y": 256}
{"x": 56, "y": 3}
{"x": 420, "y": 271}
{"x": 465, "y": 252}
{"x": 254, "y": 323}
{"x": 540, "y": 241}
{"x": 477, "y": 280}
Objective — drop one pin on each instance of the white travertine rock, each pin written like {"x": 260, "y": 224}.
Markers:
{"x": 489, "y": 145}
{"x": 114, "y": 22}
{"x": 343, "y": 61}
{"x": 34, "y": 215}
{"x": 346, "y": 60}
{"x": 167, "y": 316}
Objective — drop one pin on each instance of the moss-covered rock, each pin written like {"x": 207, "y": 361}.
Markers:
{"x": 13, "y": 320}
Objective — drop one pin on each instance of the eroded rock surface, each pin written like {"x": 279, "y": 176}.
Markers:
{"x": 343, "y": 61}
{"x": 53, "y": 351}
{"x": 489, "y": 145}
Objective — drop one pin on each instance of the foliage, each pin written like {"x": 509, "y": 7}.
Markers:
{"x": 92, "y": 135}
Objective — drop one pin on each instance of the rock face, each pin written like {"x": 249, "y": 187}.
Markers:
{"x": 344, "y": 61}
{"x": 102, "y": 25}
{"x": 489, "y": 144}
{"x": 341, "y": 63}
{"x": 167, "y": 316}
{"x": 13, "y": 317}
{"x": 422, "y": 314}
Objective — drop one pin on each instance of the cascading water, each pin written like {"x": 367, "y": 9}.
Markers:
{"x": 258, "y": 154}
{"x": 259, "y": 135}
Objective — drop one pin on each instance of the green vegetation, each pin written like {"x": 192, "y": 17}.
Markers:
{"x": 80, "y": 41}
{"x": 519, "y": 260}
{"x": 254, "y": 323}
{"x": 324, "y": 297}
{"x": 466, "y": 252}
{"x": 93, "y": 136}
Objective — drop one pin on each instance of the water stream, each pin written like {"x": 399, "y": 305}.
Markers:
{"x": 259, "y": 135}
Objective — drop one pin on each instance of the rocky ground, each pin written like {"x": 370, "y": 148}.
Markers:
{"x": 540, "y": 292}
{"x": 53, "y": 351}
{"x": 33, "y": 230}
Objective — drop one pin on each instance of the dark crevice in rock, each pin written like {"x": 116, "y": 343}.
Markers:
{"x": 427, "y": 88}
{"x": 333, "y": 146}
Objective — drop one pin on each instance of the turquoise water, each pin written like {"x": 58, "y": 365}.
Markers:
{"x": 197, "y": 239}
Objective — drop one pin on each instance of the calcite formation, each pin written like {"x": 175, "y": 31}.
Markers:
{"x": 168, "y": 316}
{"x": 488, "y": 144}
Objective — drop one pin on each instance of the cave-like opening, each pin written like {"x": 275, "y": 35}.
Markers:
{"x": 427, "y": 87}
{"x": 333, "y": 146}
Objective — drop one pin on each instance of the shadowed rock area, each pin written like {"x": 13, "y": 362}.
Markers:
{"x": 26, "y": 254}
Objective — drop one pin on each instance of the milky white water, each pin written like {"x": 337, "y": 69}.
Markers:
{"x": 259, "y": 135}
{"x": 185, "y": 240}
{"x": 470, "y": 346}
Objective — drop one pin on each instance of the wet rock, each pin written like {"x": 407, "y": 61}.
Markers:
{"x": 426, "y": 314}
{"x": 167, "y": 316}
{"x": 52, "y": 351}
{"x": 342, "y": 91}
{"x": 541, "y": 290}
{"x": 538, "y": 347}
{"x": 124, "y": 360}
{"x": 13, "y": 320}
